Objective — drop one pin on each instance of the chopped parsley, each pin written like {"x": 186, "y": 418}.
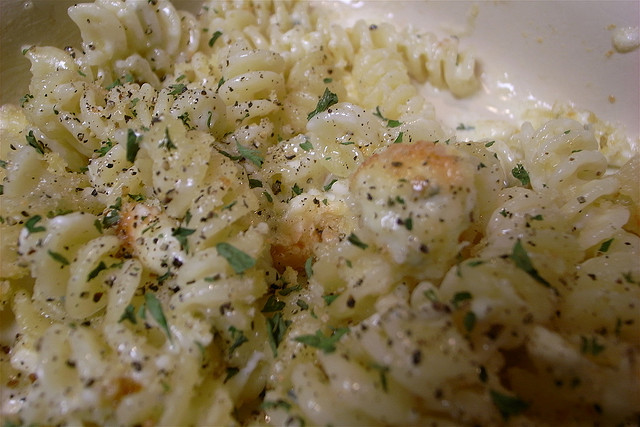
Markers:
{"x": 604, "y": 247}
{"x": 31, "y": 226}
{"x": 308, "y": 266}
{"x": 104, "y": 149}
{"x": 590, "y": 346}
{"x": 181, "y": 234}
{"x": 272, "y": 305}
{"x": 255, "y": 183}
{"x": 469, "y": 321}
{"x": 327, "y": 99}
{"x": 296, "y": 190}
{"x": 58, "y": 257}
{"x": 521, "y": 174}
{"x": 329, "y": 185}
{"x": 489, "y": 144}
{"x": 320, "y": 341}
{"x": 132, "y": 145}
{"x": 398, "y": 139}
{"x": 129, "y": 314}
{"x": 167, "y": 142}
{"x": 460, "y": 297}
{"x": 155, "y": 308}
{"x": 238, "y": 338}
{"x": 94, "y": 273}
{"x": 112, "y": 217}
{"x": 252, "y": 155}
{"x": 355, "y": 240}
{"x": 521, "y": 258}
{"x": 328, "y": 299}
{"x": 214, "y": 37}
{"x": 276, "y": 328}
{"x": 238, "y": 260}
{"x": 177, "y": 89}
{"x": 390, "y": 122}
{"x": 306, "y": 146}
{"x": 507, "y": 405}
{"x": 32, "y": 141}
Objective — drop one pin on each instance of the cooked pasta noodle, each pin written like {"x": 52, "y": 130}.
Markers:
{"x": 251, "y": 216}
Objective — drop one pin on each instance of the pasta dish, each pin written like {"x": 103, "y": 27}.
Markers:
{"x": 251, "y": 215}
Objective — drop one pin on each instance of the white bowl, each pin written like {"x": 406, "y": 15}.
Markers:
{"x": 548, "y": 51}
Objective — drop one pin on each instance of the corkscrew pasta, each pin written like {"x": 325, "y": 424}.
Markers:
{"x": 251, "y": 216}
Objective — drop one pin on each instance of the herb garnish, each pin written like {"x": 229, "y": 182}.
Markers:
{"x": 239, "y": 261}
{"x": 155, "y": 308}
{"x": 521, "y": 174}
{"x": 32, "y": 141}
{"x": 276, "y": 328}
{"x": 327, "y": 99}
{"x": 238, "y": 336}
{"x": 214, "y": 37}
{"x": 355, "y": 240}
{"x": 31, "y": 224}
{"x": 132, "y": 145}
{"x": 507, "y": 405}
{"x": 58, "y": 257}
{"x": 322, "y": 342}
{"x": 181, "y": 235}
{"x": 521, "y": 258}
{"x": 252, "y": 155}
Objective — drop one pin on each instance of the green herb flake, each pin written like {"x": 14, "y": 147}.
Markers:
{"x": 329, "y": 185}
{"x": 508, "y": 405}
{"x": 460, "y": 297}
{"x": 355, "y": 240}
{"x": 274, "y": 404}
{"x": 214, "y": 37}
{"x": 129, "y": 314}
{"x": 177, "y": 89}
{"x": 272, "y": 305}
{"x": 408, "y": 223}
{"x": 469, "y": 321}
{"x": 58, "y": 257}
{"x": 276, "y": 329}
{"x": 104, "y": 148}
{"x": 521, "y": 174}
{"x": 250, "y": 154}
{"x": 327, "y": 80}
{"x": 255, "y": 183}
{"x": 302, "y": 304}
{"x": 431, "y": 295}
{"x": 325, "y": 343}
{"x": 604, "y": 247}
{"x": 267, "y": 196}
{"x": 132, "y": 145}
{"x": 181, "y": 234}
{"x": 390, "y": 122}
{"x": 238, "y": 338}
{"x": 231, "y": 372}
{"x": 286, "y": 291}
{"x": 31, "y": 226}
{"x": 308, "y": 266}
{"x": 136, "y": 197}
{"x": 327, "y": 99}
{"x": 25, "y": 99}
{"x": 112, "y": 217}
{"x": 307, "y": 145}
{"x": 382, "y": 371}
{"x": 94, "y": 273}
{"x": 167, "y": 142}
{"x": 398, "y": 139}
{"x": 155, "y": 308}
{"x": 590, "y": 346}
{"x": 98, "y": 225}
{"x": 115, "y": 83}
{"x": 462, "y": 126}
{"x": 296, "y": 190}
{"x": 521, "y": 258}
{"x": 489, "y": 144}
{"x": 32, "y": 141}
{"x": 328, "y": 299}
{"x": 3, "y": 164}
{"x": 238, "y": 260}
